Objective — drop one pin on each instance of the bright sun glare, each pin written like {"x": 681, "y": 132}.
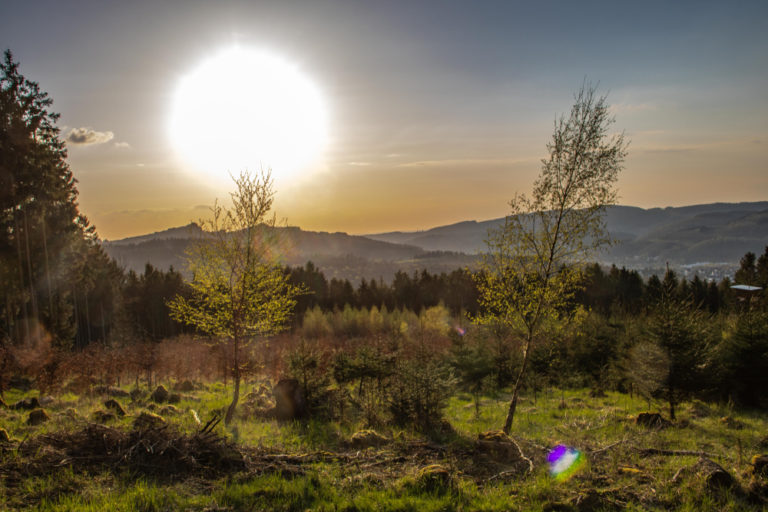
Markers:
{"x": 245, "y": 109}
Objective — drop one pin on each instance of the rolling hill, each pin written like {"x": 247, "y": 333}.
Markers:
{"x": 716, "y": 234}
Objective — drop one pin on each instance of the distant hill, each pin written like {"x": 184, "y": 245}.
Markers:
{"x": 338, "y": 254}
{"x": 717, "y": 234}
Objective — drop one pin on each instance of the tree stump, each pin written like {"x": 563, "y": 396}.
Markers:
{"x": 37, "y": 417}
{"x": 715, "y": 477}
{"x": 160, "y": 394}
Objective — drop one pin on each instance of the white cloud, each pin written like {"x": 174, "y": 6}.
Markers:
{"x": 122, "y": 145}
{"x": 359, "y": 164}
{"x": 88, "y": 136}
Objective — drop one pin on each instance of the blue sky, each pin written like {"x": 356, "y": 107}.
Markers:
{"x": 439, "y": 111}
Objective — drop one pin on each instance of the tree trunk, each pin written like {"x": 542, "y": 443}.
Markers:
{"x": 236, "y": 377}
{"x": 671, "y": 395}
{"x": 516, "y": 391}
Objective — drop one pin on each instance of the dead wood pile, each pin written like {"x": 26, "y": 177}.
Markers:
{"x": 160, "y": 452}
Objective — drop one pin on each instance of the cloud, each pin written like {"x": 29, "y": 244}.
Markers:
{"x": 359, "y": 164}
{"x": 122, "y": 145}
{"x": 88, "y": 136}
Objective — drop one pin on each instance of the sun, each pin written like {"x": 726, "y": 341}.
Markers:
{"x": 244, "y": 108}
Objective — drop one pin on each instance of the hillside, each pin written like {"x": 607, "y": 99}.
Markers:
{"x": 710, "y": 236}
{"x": 336, "y": 254}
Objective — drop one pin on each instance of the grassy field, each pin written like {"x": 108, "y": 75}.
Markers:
{"x": 71, "y": 462}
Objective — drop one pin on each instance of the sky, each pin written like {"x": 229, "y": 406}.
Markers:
{"x": 436, "y": 111}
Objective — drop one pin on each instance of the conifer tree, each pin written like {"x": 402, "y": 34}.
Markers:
{"x": 45, "y": 242}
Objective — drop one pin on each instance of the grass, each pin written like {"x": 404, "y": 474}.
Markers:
{"x": 617, "y": 474}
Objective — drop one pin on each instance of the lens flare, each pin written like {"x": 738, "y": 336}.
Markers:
{"x": 564, "y": 462}
{"x": 460, "y": 330}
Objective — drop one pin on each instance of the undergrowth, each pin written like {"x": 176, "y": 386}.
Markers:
{"x": 312, "y": 465}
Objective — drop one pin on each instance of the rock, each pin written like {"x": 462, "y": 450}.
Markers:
{"x": 4, "y": 437}
{"x": 115, "y": 406}
{"x": 160, "y": 394}
{"x": 732, "y": 423}
{"x": 26, "y": 404}
{"x": 651, "y": 420}
{"x": 37, "y": 416}
{"x": 759, "y": 465}
{"x": 103, "y": 416}
{"x": 289, "y": 400}
{"x": 435, "y": 478}
{"x": 147, "y": 420}
{"x": 184, "y": 386}
{"x": 367, "y": 438}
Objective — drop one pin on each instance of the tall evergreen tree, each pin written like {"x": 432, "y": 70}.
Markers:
{"x": 45, "y": 242}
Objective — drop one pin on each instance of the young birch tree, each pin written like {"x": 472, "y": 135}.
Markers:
{"x": 533, "y": 265}
{"x": 238, "y": 288}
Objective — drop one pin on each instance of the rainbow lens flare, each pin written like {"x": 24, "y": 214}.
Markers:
{"x": 460, "y": 330}
{"x": 564, "y": 462}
